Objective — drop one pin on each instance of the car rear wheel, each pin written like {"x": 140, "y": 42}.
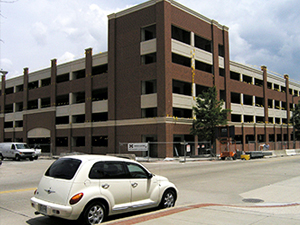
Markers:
{"x": 94, "y": 213}
{"x": 168, "y": 199}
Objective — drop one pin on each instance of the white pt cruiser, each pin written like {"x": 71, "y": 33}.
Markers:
{"x": 90, "y": 187}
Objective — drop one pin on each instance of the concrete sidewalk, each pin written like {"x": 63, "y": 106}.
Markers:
{"x": 277, "y": 203}
{"x": 219, "y": 214}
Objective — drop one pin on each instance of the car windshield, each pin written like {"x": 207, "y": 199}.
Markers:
{"x": 22, "y": 146}
{"x": 64, "y": 168}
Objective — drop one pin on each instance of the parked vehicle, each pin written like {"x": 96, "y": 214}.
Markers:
{"x": 89, "y": 188}
{"x": 16, "y": 150}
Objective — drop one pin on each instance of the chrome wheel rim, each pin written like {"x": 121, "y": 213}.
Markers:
{"x": 95, "y": 214}
{"x": 169, "y": 200}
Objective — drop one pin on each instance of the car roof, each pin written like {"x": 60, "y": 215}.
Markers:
{"x": 89, "y": 157}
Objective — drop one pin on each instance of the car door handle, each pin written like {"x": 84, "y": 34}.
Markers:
{"x": 134, "y": 185}
{"x": 105, "y": 186}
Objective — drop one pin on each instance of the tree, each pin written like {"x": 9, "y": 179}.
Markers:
{"x": 209, "y": 114}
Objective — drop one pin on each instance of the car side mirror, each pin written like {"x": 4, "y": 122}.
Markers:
{"x": 150, "y": 175}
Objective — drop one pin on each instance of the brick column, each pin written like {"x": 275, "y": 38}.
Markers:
{"x": 287, "y": 93}
{"x": 2, "y": 109}
{"x": 25, "y": 103}
{"x": 265, "y": 96}
{"x": 88, "y": 97}
{"x": 53, "y": 104}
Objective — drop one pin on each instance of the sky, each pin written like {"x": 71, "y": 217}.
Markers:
{"x": 33, "y": 32}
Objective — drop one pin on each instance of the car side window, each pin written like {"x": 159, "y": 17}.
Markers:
{"x": 108, "y": 170}
{"x": 136, "y": 171}
{"x": 13, "y": 146}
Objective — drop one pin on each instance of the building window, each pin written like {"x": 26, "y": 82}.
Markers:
{"x": 223, "y": 95}
{"x": 9, "y": 90}
{"x": 200, "y": 89}
{"x": 46, "y": 82}
{"x": 221, "y": 50}
{"x": 271, "y": 120}
{"x": 183, "y": 88}
{"x": 78, "y": 118}
{"x": 19, "y": 123}
{"x": 78, "y": 97}
{"x": 270, "y": 103}
{"x": 99, "y": 117}
{"x": 181, "y": 35}
{"x": 277, "y": 104}
{"x": 149, "y": 58}
{"x": 78, "y": 141}
{"x": 247, "y": 79}
{"x": 202, "y": 43}
{"x": 62, "y": 120}
{"x": 250, "y": 138}
{"x": 149, "y": 112}
{"x": 296, "y": 93}
{"x": 61, "y": 141}
{"x": 45, "y": 102}
{"x": 234, "y": 76}
{"x": 269, "y": 85}
{"x": 236, "y": 118}
{"x": 8, "y": 124}
{"x": 277, "y": 120}
{"x": 62, "y": 100}
{"x": 9, "y": 108}
{"x": 100, "y": 94}
{"x": 248, "y": 119}
{"x": 259, "y": 102}
{"x": 97, "y": 70}
{"x": 148, "y": 33}
{"x": 276, "y": 87}
{"x": 221, "y": 72}
{"x": 283, "y": 106}
{"x": 258, "y": 82}
{"x": 248, "y": 100}
{"x": 149, "y": 87}
{"x": 78, "y": 74}
{"x": 33, "y": 85}
{"x": 181, "y": 60}
{"x": 62, "y": 78}
{"x": 19, "y": 88}
{"x": 33, "y": 104}
{"x": 260, "y": 119}
{"x": 19, "y": 106}
{"x": 203, "y": 66}
{"x": 182, "y": 113}
{"x": 235, "y": 98}
{"x": 100, "y": 141}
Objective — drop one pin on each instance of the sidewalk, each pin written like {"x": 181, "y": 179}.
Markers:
{"x": 277, "y": 203}
{"x": 218, "y": 214}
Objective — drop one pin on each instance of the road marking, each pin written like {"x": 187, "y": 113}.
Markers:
{"x": 19, "y": 190}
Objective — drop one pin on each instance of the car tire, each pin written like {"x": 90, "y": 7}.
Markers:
{"x": 168, "y": 199}
{"x": 94, "y": 213}
{"x": 17, "y": 157}
{"x": 1, "y": 157}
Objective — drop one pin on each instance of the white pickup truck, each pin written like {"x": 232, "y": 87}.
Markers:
{"x": 17, "y": 151}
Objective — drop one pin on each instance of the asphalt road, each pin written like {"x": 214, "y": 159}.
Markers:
{"x": 221, "y": 182}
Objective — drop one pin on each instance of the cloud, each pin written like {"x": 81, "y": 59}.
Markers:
{"x": 39, "y": 32}
{"x": 66, "y": 57}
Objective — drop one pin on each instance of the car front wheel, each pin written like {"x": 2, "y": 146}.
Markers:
{"x": 94, "y": 213}
{"x": 168, "y": 199}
